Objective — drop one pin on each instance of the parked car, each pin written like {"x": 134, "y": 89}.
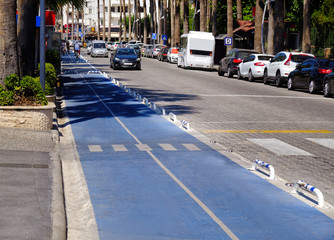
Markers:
{"x": 229, "y": 64}
{"x": 281, "y": 65}
{"x": 172, "y": 55}
{"x": 135, "y": 47}
{"x": 148, "y": 49}
{"x": 123, "y": 44}
{"x": 89, "y": 48}
{"x": 114, "y": 46}
{"x": 153, "y": 52}
{"x": 310, "y": 74}
{"x": 328, "y": 88}
{"x": 125, "y": 58}
{"x": 252, "y": 67}
{"x": 162, "y": 55}
{"x": 108, "y": 45}
{"x": 99, "y": 49}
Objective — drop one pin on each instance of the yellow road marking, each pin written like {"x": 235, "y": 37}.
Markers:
{"x": 267, "y": 131}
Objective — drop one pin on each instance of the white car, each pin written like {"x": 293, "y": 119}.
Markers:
{"x": 253, "y": 66}
{"x": 99, "y": 49}
{"x": 114, "y": 46}
{"x": 89, "y": 48}
{"x": 109, "y": 44}
{"x": 172, "y": 55}
{"x": 281, "y": 65}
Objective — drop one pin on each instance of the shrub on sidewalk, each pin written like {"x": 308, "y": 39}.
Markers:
{"x": 50, "y": 78}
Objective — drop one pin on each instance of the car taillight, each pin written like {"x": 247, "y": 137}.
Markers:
{"x": 259, "y": 64}
{"x": 237, "y": 60}
{"x": 191, "y": 51}
{"x": 287, "y": 63}
{"x": 324, "y": 71}
{"x": 210, "y": 54}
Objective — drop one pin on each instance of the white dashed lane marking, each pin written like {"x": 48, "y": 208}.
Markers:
{"x": 327, "y": 142}
{"x": 278, "y": 147}
{"x": 94, "y": 148}
{"x": 167, "y": 147}
{"x": 143, "y": 147}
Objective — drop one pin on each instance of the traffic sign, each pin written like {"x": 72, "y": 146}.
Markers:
{"x": 154, "y": 36}
{"x": 164, "y": 37}
{"x": 228, "y": 41}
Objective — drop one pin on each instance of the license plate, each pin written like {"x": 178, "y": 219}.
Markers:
{"x": 128, "y": 64}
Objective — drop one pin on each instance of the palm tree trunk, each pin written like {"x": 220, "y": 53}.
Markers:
{"x": 129, "y": 13}
{"x": 104, "y": 20}
{"x": 177, "y": 23}
{"x": 145, "y": 23}
{"x": 202, "y": 15}
{"x": 271, "y": 29}
{"x": 61, "y": 23}
{"x": 186, "y": 17}
{"x": 8, "y": 40}
{"x": 239, "y": 9}
{"x": 172, "y": 23}
{"x": 78, "y": 23}
{"x": 72, "y": 26}
{"x": 109, "y": 21}
{"x": 67, "y": 19}
{"x": 26, "y": 27}
{"x": 98, "y": 19}
{"x": 306, "y": 27}
{"x": 120, "y": 20}
{"x": 258, "y": 26}
{"x": 159, "y": 21}
{"x": 83, "y": 28}
{"x": 279, "y": 26}
{"x": 124, "y": 20}
{"x": 214, "y": 17}
{"x": 229, "y": 23}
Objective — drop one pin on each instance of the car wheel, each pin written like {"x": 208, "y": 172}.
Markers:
{"x": 265, "y": 77}
{"x": 250, "y": 76}
{"x": 290, "y": 84}
{"x": 311, "y": 87}
{"x": 327, "y": 89}
{"x": 220, "y": 72}
{"x": 239, "y": 74}
{"x": 229, "y": 72}
{"x": 278, "y": 79}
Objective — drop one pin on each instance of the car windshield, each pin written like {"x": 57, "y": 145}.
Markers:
{"x": 126, "y": 52}
{"x": 264, "y": 58}
{"x": 243, "y": 55}
{"x": 99, "y": 45}
{"x": 300, "y": 58}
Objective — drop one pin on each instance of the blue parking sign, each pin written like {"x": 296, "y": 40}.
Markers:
{"x": 228, "y": 41}
{"x": 154, "y": 36}
{"x": 164, "y": 37}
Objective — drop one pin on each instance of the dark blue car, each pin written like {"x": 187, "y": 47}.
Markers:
{"x": 125, "y": 58}
{"x": 310, "y": 74}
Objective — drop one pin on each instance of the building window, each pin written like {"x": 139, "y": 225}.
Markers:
{"x": 112, "y": 9}
{"x": 106, "y": 9}
{"x": 90, "y": 11}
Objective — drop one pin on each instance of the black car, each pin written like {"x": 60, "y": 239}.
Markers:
{"x": 162, "y": 55}
{"x": 310, "y": 74}
{"x": 328, "y": 88}
{"x": 136, "y": 47}
{"x": 229, "y": 64}
{"x": 125, "y": 58}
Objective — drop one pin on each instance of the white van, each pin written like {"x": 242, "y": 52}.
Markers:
{"x": 196, "y": 50}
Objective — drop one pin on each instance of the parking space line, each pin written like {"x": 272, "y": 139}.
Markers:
{"x": 327, "y": 142}
{"x": 95, "y": 148}
{"x": 143, "y": 147}
{"x": 278, "y": 147}
{"x": 191, "y": 147}
{"x": 167, "y": 147}
{"x": 119, "y": 148}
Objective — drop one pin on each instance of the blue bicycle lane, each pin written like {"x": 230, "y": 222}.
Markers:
{"x": 149, "y": 179}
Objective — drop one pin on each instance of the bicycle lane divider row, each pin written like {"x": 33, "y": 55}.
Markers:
{"x": 225, "y": 193}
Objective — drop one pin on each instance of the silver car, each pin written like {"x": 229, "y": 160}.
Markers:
{"x": 99, "y": 49}
{"x": 89, "y": 48}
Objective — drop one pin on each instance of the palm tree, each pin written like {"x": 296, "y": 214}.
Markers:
{"x": 279, "y": 26}
{"x": 109, "y": 21}
{"x": 172, "y": 23}
{"x": 8, "y": 40}
{"x": 104, "y": 20}
{"x": 185, "y": 16}
{"x": 98, "y": 19}
{"x": 214, "y": 17}
{"x": 271, "y": 29}
{"x": 306, "y": 27}
{"x": 202, "y": 15}
{"x": 258, "y": 26}
{"x": 145, "y": 23}
{"x": 177, "y": 23}
{"x": 239, "y": 9}
{"x": 124, "y": 19}
{"x": 229, "y": 23}
{"x": 129, "y": 13}
{"x": 120, "y": 20}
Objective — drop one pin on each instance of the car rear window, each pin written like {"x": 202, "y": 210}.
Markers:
{"x": 243, "y": 55}
{"x": 175, "y": 50}
{"x": 99, "y": 45}
{"x": 300, "y": 58}
{"x": 264, "y": 58}
{"x": 201, "y": 52}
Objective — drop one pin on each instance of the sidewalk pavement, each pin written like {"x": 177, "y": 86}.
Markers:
{"x": 31, "y": 201}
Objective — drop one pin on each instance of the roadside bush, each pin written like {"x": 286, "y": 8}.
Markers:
{"x": 6, "y": 97}
{"x": 53, "y": 57}
{"x": 12, "y": 82}
{"x": 50, "y": 78}
{"x": 31, "y": 90}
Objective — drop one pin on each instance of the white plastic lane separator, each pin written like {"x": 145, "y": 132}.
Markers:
{"x": 172, "y": 117}
{"x": 257, "y": 162}
{"x": 303, "y": 185}
{"x": 278, "y": 147}
{"x": 163, "y": 112}
{"x": 326, "y": 142}
{"x": 153, "y": 106}
{"x": 185, "y": 125}
{"x": 145, "y": 101}
{"x": 139, "y": 98}
{"x": 219, "y": 222}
